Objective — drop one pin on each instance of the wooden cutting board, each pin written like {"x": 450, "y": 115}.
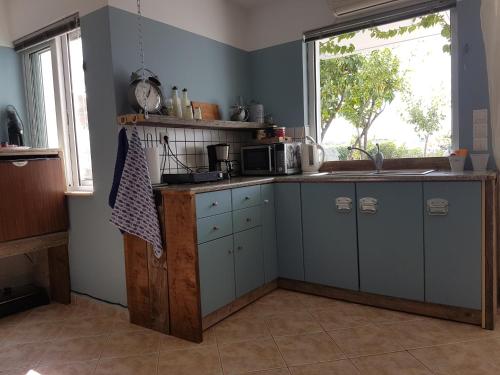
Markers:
{"x": 209, "y": 111}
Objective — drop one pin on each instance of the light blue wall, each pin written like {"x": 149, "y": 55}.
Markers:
{"x": 96, "y": 247}
{"x": 472, "y": 71}
{"x": 277, "y": 81}
{"x": 211, "y": 71}
{"x": 11, "y": 88}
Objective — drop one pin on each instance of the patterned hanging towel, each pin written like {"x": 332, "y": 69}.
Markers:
{"x": 134, "y": 211}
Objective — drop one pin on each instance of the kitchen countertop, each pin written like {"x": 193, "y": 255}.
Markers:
{"x": 237, "y": 182}
{"x": 13, "y": 151}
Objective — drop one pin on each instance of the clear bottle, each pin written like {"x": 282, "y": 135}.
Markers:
{"x": 176, "y": 102}
{"x": 187, "y": 111}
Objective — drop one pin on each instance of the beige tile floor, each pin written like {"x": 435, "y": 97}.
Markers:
{"x": 283, "y": 333}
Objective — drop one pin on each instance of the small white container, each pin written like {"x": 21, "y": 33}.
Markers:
{"x": 457, "y": 163}
{"x": 480, "y": 162}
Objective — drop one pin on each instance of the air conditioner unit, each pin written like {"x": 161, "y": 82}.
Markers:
{"x": 346, "y": 9}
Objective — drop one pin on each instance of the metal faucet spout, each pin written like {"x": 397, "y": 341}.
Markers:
{"x": 378, "y": 159}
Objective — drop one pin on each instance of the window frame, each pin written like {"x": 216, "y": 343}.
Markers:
{"x": 313, "y": 87}
{"x": 66, "y": 131}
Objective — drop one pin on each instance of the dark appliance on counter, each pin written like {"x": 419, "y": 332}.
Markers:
{"x": 218, "y": 159}
{"x": 15, "y": 126}
{"x": 271, "y": 160}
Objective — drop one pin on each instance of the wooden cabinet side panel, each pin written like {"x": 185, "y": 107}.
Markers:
{"x": 34, "y": 202}
{"x": 182, "y": 264}
{"x": 137, "y": 278}
{"x": 59, "y": 274}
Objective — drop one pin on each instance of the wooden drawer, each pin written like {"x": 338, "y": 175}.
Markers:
{"x": 246, "y": 218}
{"x": 213, "y": 227}
{"x": 246, "y": 197}
{"x": 213, "y": 203}
{"x": 32, "y": 199}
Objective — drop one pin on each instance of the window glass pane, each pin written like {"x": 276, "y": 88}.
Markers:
{"x": 389, "y": 85}
{"x": 49, "y": 101}
{"x": 80, "y": 111}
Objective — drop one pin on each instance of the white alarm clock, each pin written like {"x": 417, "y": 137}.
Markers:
{"x": 145, "y": 93}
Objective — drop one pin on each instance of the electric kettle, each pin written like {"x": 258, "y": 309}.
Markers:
{"x": 310, "y": 154}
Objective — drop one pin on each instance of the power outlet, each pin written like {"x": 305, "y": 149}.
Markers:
{"x": 161, "y": 136}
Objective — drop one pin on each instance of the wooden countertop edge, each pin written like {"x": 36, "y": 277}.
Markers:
{"x": 249, "y": 181}
{"x": 6, "y": 152}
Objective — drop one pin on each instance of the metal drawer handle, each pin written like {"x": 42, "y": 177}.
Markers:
{"x": 343, "y": 204}
{"x": 437, "y": 207}
{"x": 216, "y": 227}
{"x": 215, "y": 204}
{"x": 266, "y": 201}
{"x": 247, "y": 198}
{"x": 368, "y": 205}
{"x": 20, "y": 163}
{"x": 249, "y": 219}
{"x": 240, "y": 248}
{"x": 230, "y": 252}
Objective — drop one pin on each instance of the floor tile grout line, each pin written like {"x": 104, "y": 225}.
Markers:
{"x": 422, "y": 363}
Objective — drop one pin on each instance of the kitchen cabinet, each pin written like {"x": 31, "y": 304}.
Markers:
{"x": 289, "y": 231}
{"x": 330, "y": 241}
{"x": 390, "y": 239}
{"x": 248, "y": 261}
{"x": 453, "y": 227}
{"x": 216, "y": 260}
{"x": 268, "y": 217}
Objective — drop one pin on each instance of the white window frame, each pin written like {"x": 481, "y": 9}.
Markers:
{"x": 314, "y": 97}
{"x": 66, "y": 131}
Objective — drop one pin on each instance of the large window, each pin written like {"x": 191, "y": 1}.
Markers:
{"x": 57, "y": 107}
{"x": 389, "y": 85}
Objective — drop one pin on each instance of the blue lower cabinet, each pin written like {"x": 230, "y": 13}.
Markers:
{"x": 453, "y": 241}
{"x": 289, "y": 231}
{"x": 330, "y": 240}
{"x": 248, "y": 260}
{"x": 216, "y": 267}
{"x": 268, "y": 218}
{"x": 390, "y": 238}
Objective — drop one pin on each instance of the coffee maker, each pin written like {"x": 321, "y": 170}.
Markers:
{"x": 218, "y": 159}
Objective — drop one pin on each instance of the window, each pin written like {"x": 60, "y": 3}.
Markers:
{"x": 57, "y": 106}
{"x": 389, "y": 84}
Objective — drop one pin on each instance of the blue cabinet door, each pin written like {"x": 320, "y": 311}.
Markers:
{"x": 289, "y": 231}
{"x": 330, "y": 240}
{"x": 248, "y": 260}
{"x": 390, "y": 237}
{"x": 216, "y": 267}
{"x": 453, "y": 241}
{"x": 268, "y": 218}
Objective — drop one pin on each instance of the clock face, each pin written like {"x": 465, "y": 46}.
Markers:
{"x": 148, "y": 96}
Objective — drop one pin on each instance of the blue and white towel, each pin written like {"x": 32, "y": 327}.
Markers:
{"x": 134, "y": 211}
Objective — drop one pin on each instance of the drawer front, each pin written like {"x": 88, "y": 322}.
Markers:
{"x": 216, "y": 259}
{"x": 246, "y": 218}
{"x": 246, "y": 197}
{"x": 213, "y": 227}
{"x": 213, "y": 203}
{"x": 267, "y": 194}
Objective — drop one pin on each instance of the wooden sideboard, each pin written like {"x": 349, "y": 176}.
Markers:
{"x": 34, "y": 216}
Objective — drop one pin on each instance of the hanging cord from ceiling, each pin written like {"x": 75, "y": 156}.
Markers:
{"x": 141, "y": 52}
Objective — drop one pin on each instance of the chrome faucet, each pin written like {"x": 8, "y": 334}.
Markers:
{"x": 378, "y": 160}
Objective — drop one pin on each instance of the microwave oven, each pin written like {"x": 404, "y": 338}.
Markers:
{"x": 270, "y": 160}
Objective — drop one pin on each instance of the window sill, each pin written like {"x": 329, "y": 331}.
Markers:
{"x": 79, "y": 193}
